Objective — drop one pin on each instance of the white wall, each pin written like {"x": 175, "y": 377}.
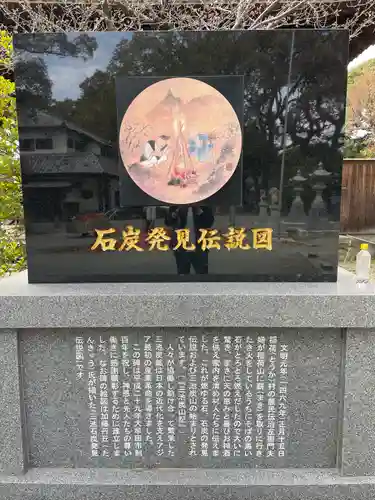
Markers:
{"x": 59, "y": 139}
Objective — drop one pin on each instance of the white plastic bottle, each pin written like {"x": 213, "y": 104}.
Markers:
{"x": 363, "y": 264}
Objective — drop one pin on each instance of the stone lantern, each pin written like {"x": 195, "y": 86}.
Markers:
{"x": 320, "y": 178}
{"x": 297, "y": 211}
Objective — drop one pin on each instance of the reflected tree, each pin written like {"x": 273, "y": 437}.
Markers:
{"x": 316, "y": 115}
{"x": 315, "y": 128}
{"x": 34, "y": 87}
{"x": 95, "y": 110}
{"x": 59, "y": 44}
{"x": 314, "y": 93}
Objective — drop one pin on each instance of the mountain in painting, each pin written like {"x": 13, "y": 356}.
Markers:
{"x": 201, "y": 113}
{"x": 163, "y": 110}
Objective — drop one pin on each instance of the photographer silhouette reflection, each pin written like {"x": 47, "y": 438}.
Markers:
{"x": 193, "y": 219}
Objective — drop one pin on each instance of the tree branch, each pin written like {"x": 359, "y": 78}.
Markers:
{"x": 64, "y": 16}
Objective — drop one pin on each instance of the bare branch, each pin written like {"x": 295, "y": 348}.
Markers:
{"x": 112, "y": 15}
{"x": 294, "y": 7}
{"x": 269, "y": 8}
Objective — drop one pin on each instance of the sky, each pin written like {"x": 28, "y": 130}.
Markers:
{"x": 66, "y": 82}
{"x": 366, "y": 55}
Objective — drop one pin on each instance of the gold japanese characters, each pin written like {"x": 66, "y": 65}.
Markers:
{"x": 160, "y": 239}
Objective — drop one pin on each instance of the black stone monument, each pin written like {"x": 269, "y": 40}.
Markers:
{"x": 194, "y": 156}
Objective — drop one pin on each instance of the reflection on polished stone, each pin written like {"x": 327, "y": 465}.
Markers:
{"x": 275, "y": 219}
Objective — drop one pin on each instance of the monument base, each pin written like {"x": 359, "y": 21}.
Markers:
{"x": 93, "y": 484}
{"x": 320, "y": 335}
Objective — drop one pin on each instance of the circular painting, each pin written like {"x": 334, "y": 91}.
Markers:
{"x": 180, "y": 140}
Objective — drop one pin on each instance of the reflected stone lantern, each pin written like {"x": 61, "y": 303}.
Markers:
{"x": 297, "y": 210}
{"x": 320, "y": 179}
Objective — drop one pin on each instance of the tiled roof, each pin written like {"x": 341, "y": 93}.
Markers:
{"x": 70, "y": 163}
{"x": 42, "y": 119}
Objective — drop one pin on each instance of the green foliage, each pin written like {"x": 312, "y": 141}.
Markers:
{"x": 359, "y": 71}
{"x": 12, "y": 248}
{"x": 354, "y": 148}
{"x": 6, "y": 50}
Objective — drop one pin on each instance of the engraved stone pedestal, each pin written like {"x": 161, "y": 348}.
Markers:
{"x": 120, "y": 391}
